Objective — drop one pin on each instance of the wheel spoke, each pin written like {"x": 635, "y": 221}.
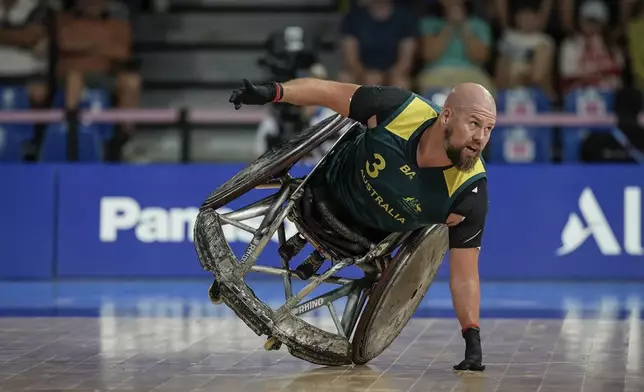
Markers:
{"x": 288, "y": 288}
{"x": 336, "y": 321}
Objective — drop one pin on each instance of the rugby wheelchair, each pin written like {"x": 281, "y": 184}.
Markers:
{"x": 398, "y": 269}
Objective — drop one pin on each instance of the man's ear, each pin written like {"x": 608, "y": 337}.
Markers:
{"x": 445, "y": 115}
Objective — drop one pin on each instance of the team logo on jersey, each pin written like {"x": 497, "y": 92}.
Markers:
{"x": 411, "y": 204}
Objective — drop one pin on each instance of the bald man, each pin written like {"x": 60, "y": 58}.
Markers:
{"x": 417, "y": 164}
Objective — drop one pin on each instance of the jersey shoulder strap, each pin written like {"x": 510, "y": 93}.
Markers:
{"x": 417, "y": 112}
{"x": 456, "y": 180}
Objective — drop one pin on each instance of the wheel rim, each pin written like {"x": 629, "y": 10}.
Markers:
{"x": 399, "y": 293}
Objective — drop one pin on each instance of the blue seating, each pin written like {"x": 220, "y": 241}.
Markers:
{"x": 521, "y": 144}
{"x": 14, "y": 98}
{"x": 94, "y": 100}
{"x": 14, "y": 136}
{"x": 54, "y": 146}
{"x": 584, "y": 102}
{"x": 12, "y": 140}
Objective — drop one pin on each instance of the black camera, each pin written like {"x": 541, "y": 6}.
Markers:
{"x": 290, "y": 53}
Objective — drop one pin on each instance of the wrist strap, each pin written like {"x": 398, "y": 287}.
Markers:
{"x": 279, "y": 92}
{"x": 471, "y": 326}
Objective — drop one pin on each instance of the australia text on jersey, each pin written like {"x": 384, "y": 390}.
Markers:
{"x": 373, "y": 170}
{"x": 381, "y": 202}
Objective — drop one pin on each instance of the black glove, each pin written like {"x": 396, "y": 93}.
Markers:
{"x": 250, "y": 94}
{"x": 473, "y": 353}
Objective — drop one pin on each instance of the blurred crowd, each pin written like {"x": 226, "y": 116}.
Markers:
{"x": 423, "y": 45}
{"x": 536, "y": 56}
{"x": 58, "y": 47}
{"x": 554, "y": 46}
{"x": 68, "y": 45}
{"x": 61, "y": 48}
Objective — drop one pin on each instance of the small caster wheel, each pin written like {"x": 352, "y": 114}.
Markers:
{"x": 214, "y": 294}
{"x": 272, "y": 344}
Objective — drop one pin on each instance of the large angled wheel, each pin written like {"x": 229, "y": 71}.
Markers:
{"x": 276, "y": 160}
{"x": 399, "y": 291}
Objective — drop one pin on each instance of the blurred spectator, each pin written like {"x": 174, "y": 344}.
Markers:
{"x": 347, "y": 5}
{"x": 24, "y": 46}
{"x": 590, "y": 58}
{"x": 379, "y": 44}
{"x": 569, "y": 9}
{"x": 134, "y": 7}
{"x": 455, "y": 48}
{"x": 526, "y": 54}
{"x": 479, "y": 8}
{"x": 94, "y": 43}
{"x": 557, "y": 20}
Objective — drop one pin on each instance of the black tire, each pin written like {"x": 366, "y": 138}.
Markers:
{"x": 275, "y": 161}
{"x": 398, "y": 293}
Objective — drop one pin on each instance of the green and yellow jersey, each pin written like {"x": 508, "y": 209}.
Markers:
{"x": 376, "y": 178}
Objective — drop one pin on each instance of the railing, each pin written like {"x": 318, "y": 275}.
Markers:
{"x": 186, "y": 118}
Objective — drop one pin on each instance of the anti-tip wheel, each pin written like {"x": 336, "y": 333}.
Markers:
{"x": 272, "y": 344}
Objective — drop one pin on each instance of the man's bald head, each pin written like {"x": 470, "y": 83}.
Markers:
{"x": 467, "y": 119}
{"x": 470, "y": 95}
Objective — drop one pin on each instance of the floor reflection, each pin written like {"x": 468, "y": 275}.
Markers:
{"x": 166, "y": 336}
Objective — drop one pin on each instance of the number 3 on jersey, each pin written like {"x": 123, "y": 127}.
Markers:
{"x": 373, "y": 169}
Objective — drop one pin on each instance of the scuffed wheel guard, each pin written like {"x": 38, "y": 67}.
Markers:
{"x": 304, "y": 341}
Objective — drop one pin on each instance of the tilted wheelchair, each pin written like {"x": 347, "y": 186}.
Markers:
{"x": 398, "y": 269}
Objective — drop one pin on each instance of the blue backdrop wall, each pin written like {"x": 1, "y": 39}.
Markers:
{"x": 544, "y": 222}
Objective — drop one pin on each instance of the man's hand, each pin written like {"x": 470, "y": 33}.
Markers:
{"x": 250, "y": 94}
{"x": 299, "y": 92}
{"x": 473, "y": 352}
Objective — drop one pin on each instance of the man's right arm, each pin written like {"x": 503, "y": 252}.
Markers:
{"x": 366, "y": 104}
{"x": 360, "y": 103}
{"x": 317, "y": 92}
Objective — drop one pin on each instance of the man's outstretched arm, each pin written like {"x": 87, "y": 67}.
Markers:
{"x": 316, "y": 92}
{"x": 366, "y": 104}
{"x": 300, "y": 92}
